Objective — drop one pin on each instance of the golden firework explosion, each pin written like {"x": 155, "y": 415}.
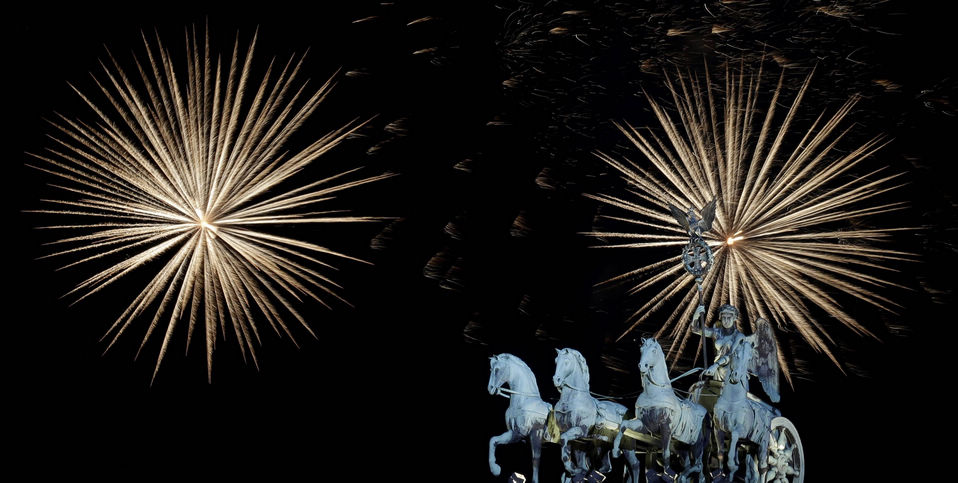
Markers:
{"x": 194, "y": 171}
{"x": 781, "y": 238}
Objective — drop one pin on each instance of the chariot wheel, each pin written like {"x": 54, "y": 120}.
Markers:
{"x": 786, "y": 460}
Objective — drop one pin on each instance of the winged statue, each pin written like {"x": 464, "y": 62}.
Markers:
{"x": 764, "y": 361}
{"x": 694, "y": 225}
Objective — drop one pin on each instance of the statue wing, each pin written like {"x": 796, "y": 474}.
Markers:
{"x": 708, "y": 215}
{"x": 764, "y": 360}
{"x": 679, "y": 216}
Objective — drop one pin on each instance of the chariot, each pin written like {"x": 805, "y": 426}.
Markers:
{"x": 738, "y": 426}
{"x": 702, "y": 437}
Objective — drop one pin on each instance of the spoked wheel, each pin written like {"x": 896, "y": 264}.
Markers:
{"x": 786, "y": 461}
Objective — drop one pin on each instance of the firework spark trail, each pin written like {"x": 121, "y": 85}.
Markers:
{"x": 186, "y": 170}
{"x": 779, "y": 242}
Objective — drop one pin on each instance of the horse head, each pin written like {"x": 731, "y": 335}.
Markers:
{"x": 652, "y": 365}
{"x": 571, "y": 369}
{"x": 499, "y": 370}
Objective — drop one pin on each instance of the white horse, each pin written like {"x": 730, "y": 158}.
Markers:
{"x": 738, "y": 415}
{"x": 658, "y": 411}
{"x": 581, "y": 416}
{"x": 527, "y": 412}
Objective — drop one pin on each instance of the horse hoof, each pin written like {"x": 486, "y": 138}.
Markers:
{"x": 495, "y": 469}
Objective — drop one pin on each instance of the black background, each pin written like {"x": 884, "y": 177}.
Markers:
{"x": 396, "y": 385}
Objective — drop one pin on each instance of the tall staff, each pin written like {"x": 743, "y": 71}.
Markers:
{"x": 697, "y": 256}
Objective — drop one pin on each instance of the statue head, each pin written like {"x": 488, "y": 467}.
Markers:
{"x": 728, "y": 314}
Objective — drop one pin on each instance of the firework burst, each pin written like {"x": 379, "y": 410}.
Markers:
{"x": 191, "y": 172}
{"x": 782, "y": 239}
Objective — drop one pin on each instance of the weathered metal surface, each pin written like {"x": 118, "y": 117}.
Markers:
{"x": 786, "y": 459}
{"x": 694, "y": 225}
{"x": 581, "y": 416}
{"x": 697, "y": 257}
{"x": 764, "y": 360}
{"x": 663, "y": 423}
{"x": 644, "y": 438}
{"x": 552, "y": 429}
{"x": 663, "y": 415}
{"x": 706, "y": 393}
{"x": 527, "y": 413}
{"x": 742, "y": 417}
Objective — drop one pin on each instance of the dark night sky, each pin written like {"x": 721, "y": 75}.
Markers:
{"x": 396, "y": 385}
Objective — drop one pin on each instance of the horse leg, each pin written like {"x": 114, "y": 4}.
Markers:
{"x": 698, "y": 451}
{"x": 616, "y": 452}
{"x": 763, "y": 458}
{"x": 583, "y": 461}
{"x": 535, "y": 442}
{"x": 751, "y": 469}
{"x": 686, "y": 465}
{"x": 719, "y": 450}
{"x": 634, "y": 425}
{"x": 503, "y": 438}
{"x": 572, "y": 433}
{"x": 695, "y": 453}
{"x": 635, "y": 466}
{"x": 691, "y": 466}
{"x": 666, "y": 455}
{"x": 606, "y": 461}
{"x": 733, "y": 454}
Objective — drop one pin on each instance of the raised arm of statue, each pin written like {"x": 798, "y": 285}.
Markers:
{"x": 698, "y": 319}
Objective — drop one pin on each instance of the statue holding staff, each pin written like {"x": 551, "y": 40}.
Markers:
{"x": 726, "y": 336}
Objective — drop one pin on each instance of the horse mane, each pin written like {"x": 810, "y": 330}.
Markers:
{"x": 514, "y": 359}
{"x": 649, "y": 342}
{"x": 580, "y": 360}
{"x": 522, "y": 365}
{"x": 647, "y": 346}
{"x": 738, "y": 362}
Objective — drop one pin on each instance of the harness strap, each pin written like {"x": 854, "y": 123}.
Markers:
{"x": 566, "y": 384}
{"x": 501, "y": 390}
{"x": 648, "y": 376}
{"x": 686, "y": 373}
